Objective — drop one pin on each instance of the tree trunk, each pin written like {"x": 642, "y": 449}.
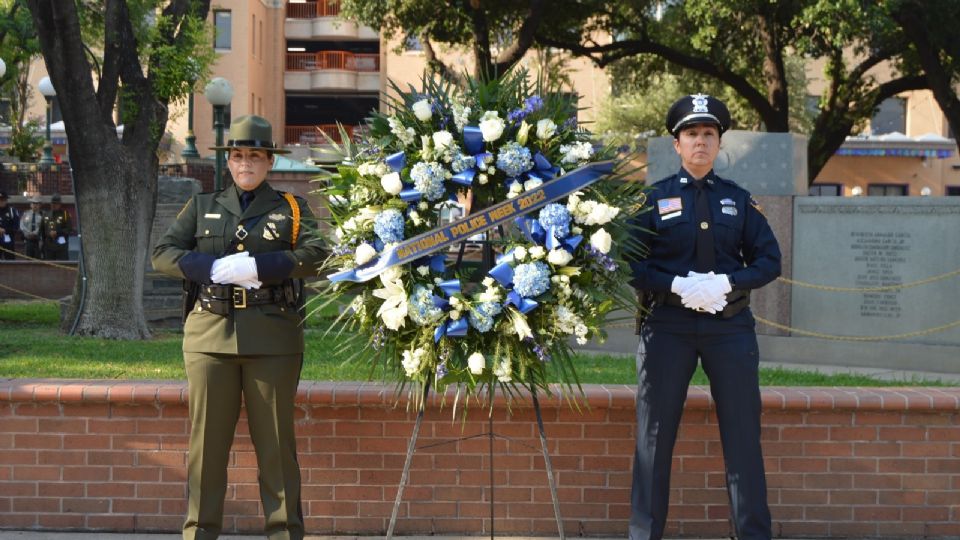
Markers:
{"x": 115, "y": 182}
{"x": 116, "y": 203}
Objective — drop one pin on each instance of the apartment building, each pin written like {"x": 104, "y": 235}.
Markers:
{"x": 304, "y": 68}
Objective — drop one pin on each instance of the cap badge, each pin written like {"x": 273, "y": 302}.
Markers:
{"x": 700, "y": 103}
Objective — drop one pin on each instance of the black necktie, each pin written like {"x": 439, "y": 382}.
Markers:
{"x": 245, "y": 198}
{"x": 706, "y": 259}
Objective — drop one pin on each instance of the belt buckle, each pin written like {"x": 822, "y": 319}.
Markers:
{"x": 239, "y": 298}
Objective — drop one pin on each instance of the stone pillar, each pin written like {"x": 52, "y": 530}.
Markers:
{"x": 161, "y": 293}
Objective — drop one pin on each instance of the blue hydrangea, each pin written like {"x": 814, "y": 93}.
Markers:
{"x": 531, "y": 279}
{"x": 388, "y": 225}
{"x": 428, "y": 179}
{"x": 420, "y": 307}
{"x": 514, "y": 159}
{"x": 462, "y": 162}
{"x": 556, "y": 216}
{"x": 482, "y": 314}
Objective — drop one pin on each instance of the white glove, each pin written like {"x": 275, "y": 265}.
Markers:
{"x": 238, "y": 269}
{"x": 699, "y": 298}
{"x": 682, "y": 285}
{"x": 717, "y": 285}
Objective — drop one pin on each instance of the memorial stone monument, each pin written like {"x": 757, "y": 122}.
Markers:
{"x": 161, "y": 293}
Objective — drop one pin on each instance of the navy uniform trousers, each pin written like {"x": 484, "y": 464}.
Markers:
{"x": 666, "y": 361}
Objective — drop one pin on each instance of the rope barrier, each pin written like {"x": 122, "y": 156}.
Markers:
{"x": 25, "y": 293}
{"x": 835, "y": 337}
{"x": 41, "y": 261}
{"x": 870, "y": 289}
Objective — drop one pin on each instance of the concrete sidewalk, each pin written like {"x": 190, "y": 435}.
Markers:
{"x": 26, "y": 535}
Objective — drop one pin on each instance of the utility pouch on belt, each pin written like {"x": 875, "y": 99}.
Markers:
{"x": 190, "y": 292}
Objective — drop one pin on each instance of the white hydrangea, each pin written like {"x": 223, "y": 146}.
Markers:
{"x": 461, "y": 115}
{"x": 577, "y": 152}
{"x": 476, "y": 363}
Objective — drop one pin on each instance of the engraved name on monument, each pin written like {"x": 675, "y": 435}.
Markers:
{"x": 875, "y": 244}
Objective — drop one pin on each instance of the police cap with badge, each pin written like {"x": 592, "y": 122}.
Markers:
{"x": 697, "y": 109}
{"x": 251, "y": 131}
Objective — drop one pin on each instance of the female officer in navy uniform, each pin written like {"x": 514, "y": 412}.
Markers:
{"x": 709, "y": 246}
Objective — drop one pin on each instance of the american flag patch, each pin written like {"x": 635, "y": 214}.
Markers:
{"x": 667, "y": 206}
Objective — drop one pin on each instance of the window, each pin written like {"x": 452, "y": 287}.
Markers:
{"x": 953, "y": 191}
{"x": 890, "y": 116}
{"x": 887, "y": 190}
{"x": 253, "y": 41}
{"x": 412, "y": 43}
{"x": 826, "y": 190}
{"x": 221, "y": 22}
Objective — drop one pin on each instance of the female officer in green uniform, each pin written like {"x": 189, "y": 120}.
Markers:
{"x": 709, "y": 246}
{"x": 243, "y": 250}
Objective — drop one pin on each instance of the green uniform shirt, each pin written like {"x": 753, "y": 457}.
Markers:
{"x": 202, "y": 232}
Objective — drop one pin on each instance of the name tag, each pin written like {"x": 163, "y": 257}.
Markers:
{"x": 212, "y": 216}
{"x": 670, "y": 216}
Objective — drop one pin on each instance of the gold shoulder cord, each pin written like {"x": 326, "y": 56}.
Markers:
{"x": 295, "y": 210}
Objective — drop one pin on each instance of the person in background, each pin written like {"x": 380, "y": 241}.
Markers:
{"x": 243, "y": 251}
{"x": 709, "y": 245}
{"x": 57, "y": 227}
{"x": 31, "y": 226}
{"x": 9, "y": 224}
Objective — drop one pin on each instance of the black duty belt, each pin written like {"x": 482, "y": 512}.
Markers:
{"x": 221, "y": 299}
{"x": 737, "y": 301}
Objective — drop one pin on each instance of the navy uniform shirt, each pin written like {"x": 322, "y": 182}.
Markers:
{"x": 744, "y": 245}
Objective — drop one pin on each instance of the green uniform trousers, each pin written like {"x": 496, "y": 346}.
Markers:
{"x": 268, "y": 385}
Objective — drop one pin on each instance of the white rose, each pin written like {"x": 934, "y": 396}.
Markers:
{"x": 391, "y": 183}
{"x": 487, "y": 281}
{"x": 476, "y": 362}
{"x": 422, "y": 110}
{"x": 442, "y": 139}
{"x": 519, "y": 253}
{"x": 491, "y": 129}
{"x": 423, "y": 270}
{"x": 601, "y": 240}
{"x": 364, "y": 254}
{"x": 559, "y": 257}
{"x": 538, "y": 252}
{"x": 532, "y": 183}
{"x": 484, "y": 179}
{"x": 546, "y": 129}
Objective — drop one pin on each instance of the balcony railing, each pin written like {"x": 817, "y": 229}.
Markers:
{"x": 312, "y": 10}
{"x": 35, "y": 179}
{"x": 344, "y": 60}
{"x": 310, "y": 135}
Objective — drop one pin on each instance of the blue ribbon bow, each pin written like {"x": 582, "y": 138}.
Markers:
{"x": 535, "y": 232}
{"x": 473, "y": 141}
{"x": 503, "y": 273}
{"x": 449, "y": 327}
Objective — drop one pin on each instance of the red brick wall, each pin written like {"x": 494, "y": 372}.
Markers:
{"x": 840, "y": 462}
{"x": 25, "y": 280}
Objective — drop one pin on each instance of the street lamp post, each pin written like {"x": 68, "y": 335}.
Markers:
{"x": 218, "y": 92}
{"x": 46, "y": 88}
{"x": 3, "y": 71}
{"x": 190, "y": 148}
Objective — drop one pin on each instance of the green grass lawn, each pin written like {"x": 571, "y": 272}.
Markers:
{"x": 33, "y": 348}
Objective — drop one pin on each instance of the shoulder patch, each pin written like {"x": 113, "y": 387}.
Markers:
{"x": 755, "y": 204}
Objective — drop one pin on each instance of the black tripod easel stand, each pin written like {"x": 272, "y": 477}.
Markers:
{"x": 412, "y": 448}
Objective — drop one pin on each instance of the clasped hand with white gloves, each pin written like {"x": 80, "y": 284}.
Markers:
{"x": 702, "y": 292}
{"x": 237, "y": 269}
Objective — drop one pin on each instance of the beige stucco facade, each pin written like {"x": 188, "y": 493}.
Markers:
{"x": 348, "y": 66}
